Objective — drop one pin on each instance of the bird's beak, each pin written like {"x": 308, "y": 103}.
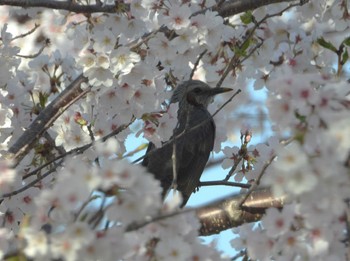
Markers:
{"x": 215, "y": 91}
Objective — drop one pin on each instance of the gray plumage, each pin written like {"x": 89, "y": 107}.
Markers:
{"x": 194, "y": 147}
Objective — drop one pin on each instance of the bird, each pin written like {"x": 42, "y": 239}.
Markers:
{"x": 193, "y": 143}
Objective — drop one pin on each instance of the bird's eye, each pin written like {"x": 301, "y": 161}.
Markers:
{"x": 197, "y": 90}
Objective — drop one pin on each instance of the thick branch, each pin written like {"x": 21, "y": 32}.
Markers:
{"x": 71, "y": 6}
{"x": 227, "y": 213}
{"x": 232, "y": 7}
{"x": 226, "y": 9}
{"x": 46, "y": 118}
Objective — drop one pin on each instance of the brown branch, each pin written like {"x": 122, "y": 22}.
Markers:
{"x": 233, "y": 7}
{"x": 71, "y": 6}
{"x": 73, "y": 151}
{"x": 46, "y": 118}
{"x": 235, "y": 60}
{"x": 234, "y": 167}
{"x": 200, "y": 56}
{"x": 227, "y": 213}
{"x": 137, "y": 225}
{"x": 220, "y": 215}
{"x": 52, "y": 143}
{"x": 225, "y": 9}
{"x": 78, "y": 150}
{"x": 241, "y": 254}
{"x": 36, "y": 26}
{"x": 256, "y": 182}
{"x": 29, "y": 185}
{"x": 223, "y": 183}
{"x": 31, "y": 56}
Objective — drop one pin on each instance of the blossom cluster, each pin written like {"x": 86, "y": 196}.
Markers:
{"x": 72, "y": 197}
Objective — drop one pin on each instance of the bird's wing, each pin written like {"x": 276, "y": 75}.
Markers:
{"x": 158, "y": 162}
{"x": 194, "y": 156}
{"x": 145, "y": 160}
{"x": 192, "y": 153}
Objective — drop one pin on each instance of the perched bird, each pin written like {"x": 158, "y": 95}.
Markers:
{"x": 194, "y": 144}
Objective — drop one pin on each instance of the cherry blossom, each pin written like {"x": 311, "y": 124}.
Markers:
{"x": 74, "y": 193}
{"x": 178, "y": 17}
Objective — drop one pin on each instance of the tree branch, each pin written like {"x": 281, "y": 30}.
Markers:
{"x": 225, "y": 9}
{"x": 227, "y": 213}
{"x": 66, "y": 5}
{"x": 233, "y": 7}
{"x": 79, "y": 150}
{"x": 46, "y": 118}
{"x": 223, "y": 183}
{"x": 29, "y": 185}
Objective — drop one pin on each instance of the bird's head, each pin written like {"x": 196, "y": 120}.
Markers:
{"x": 196, "y": 93}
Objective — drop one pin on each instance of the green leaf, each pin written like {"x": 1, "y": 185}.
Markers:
{"x": 246, "y": 45}
{"x": 346, "y": 41}
{"x": 247, "y": 17}
{"x": 300, "y": 117}
{"x": 328, "y": 45}
{"x": 344, "y": 57}
{"x": 42, "y": 99}
{"x": 17, "y": 257}
{"x": 241, "y": 51}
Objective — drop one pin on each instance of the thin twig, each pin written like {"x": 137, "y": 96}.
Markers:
{"x": 234, "y": 61}
{"x": 240, "y": 254}
{"x": 36, "y": 26}
{"x": 135, "y": 44}
{"x": 79, "y": 150}
{"x": 138, "y": 225}
{"x": 31, "y": 56}
{"x": 76, "y": 150}
{"x": 83, "y": 206}
{"x": 51, "y": 141}
{"x": 266, "y": 165}
{"x": 100, "y": 213}
{"x": 29, "y": 185}
{"x": 197, "y": 62}
{"x": 45, "y": 119}
{"x": 222, "y": 106}
{"x": 223, "y": 183}
{"x": 233, "y": 169}
{"x": 257, "y": 181}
